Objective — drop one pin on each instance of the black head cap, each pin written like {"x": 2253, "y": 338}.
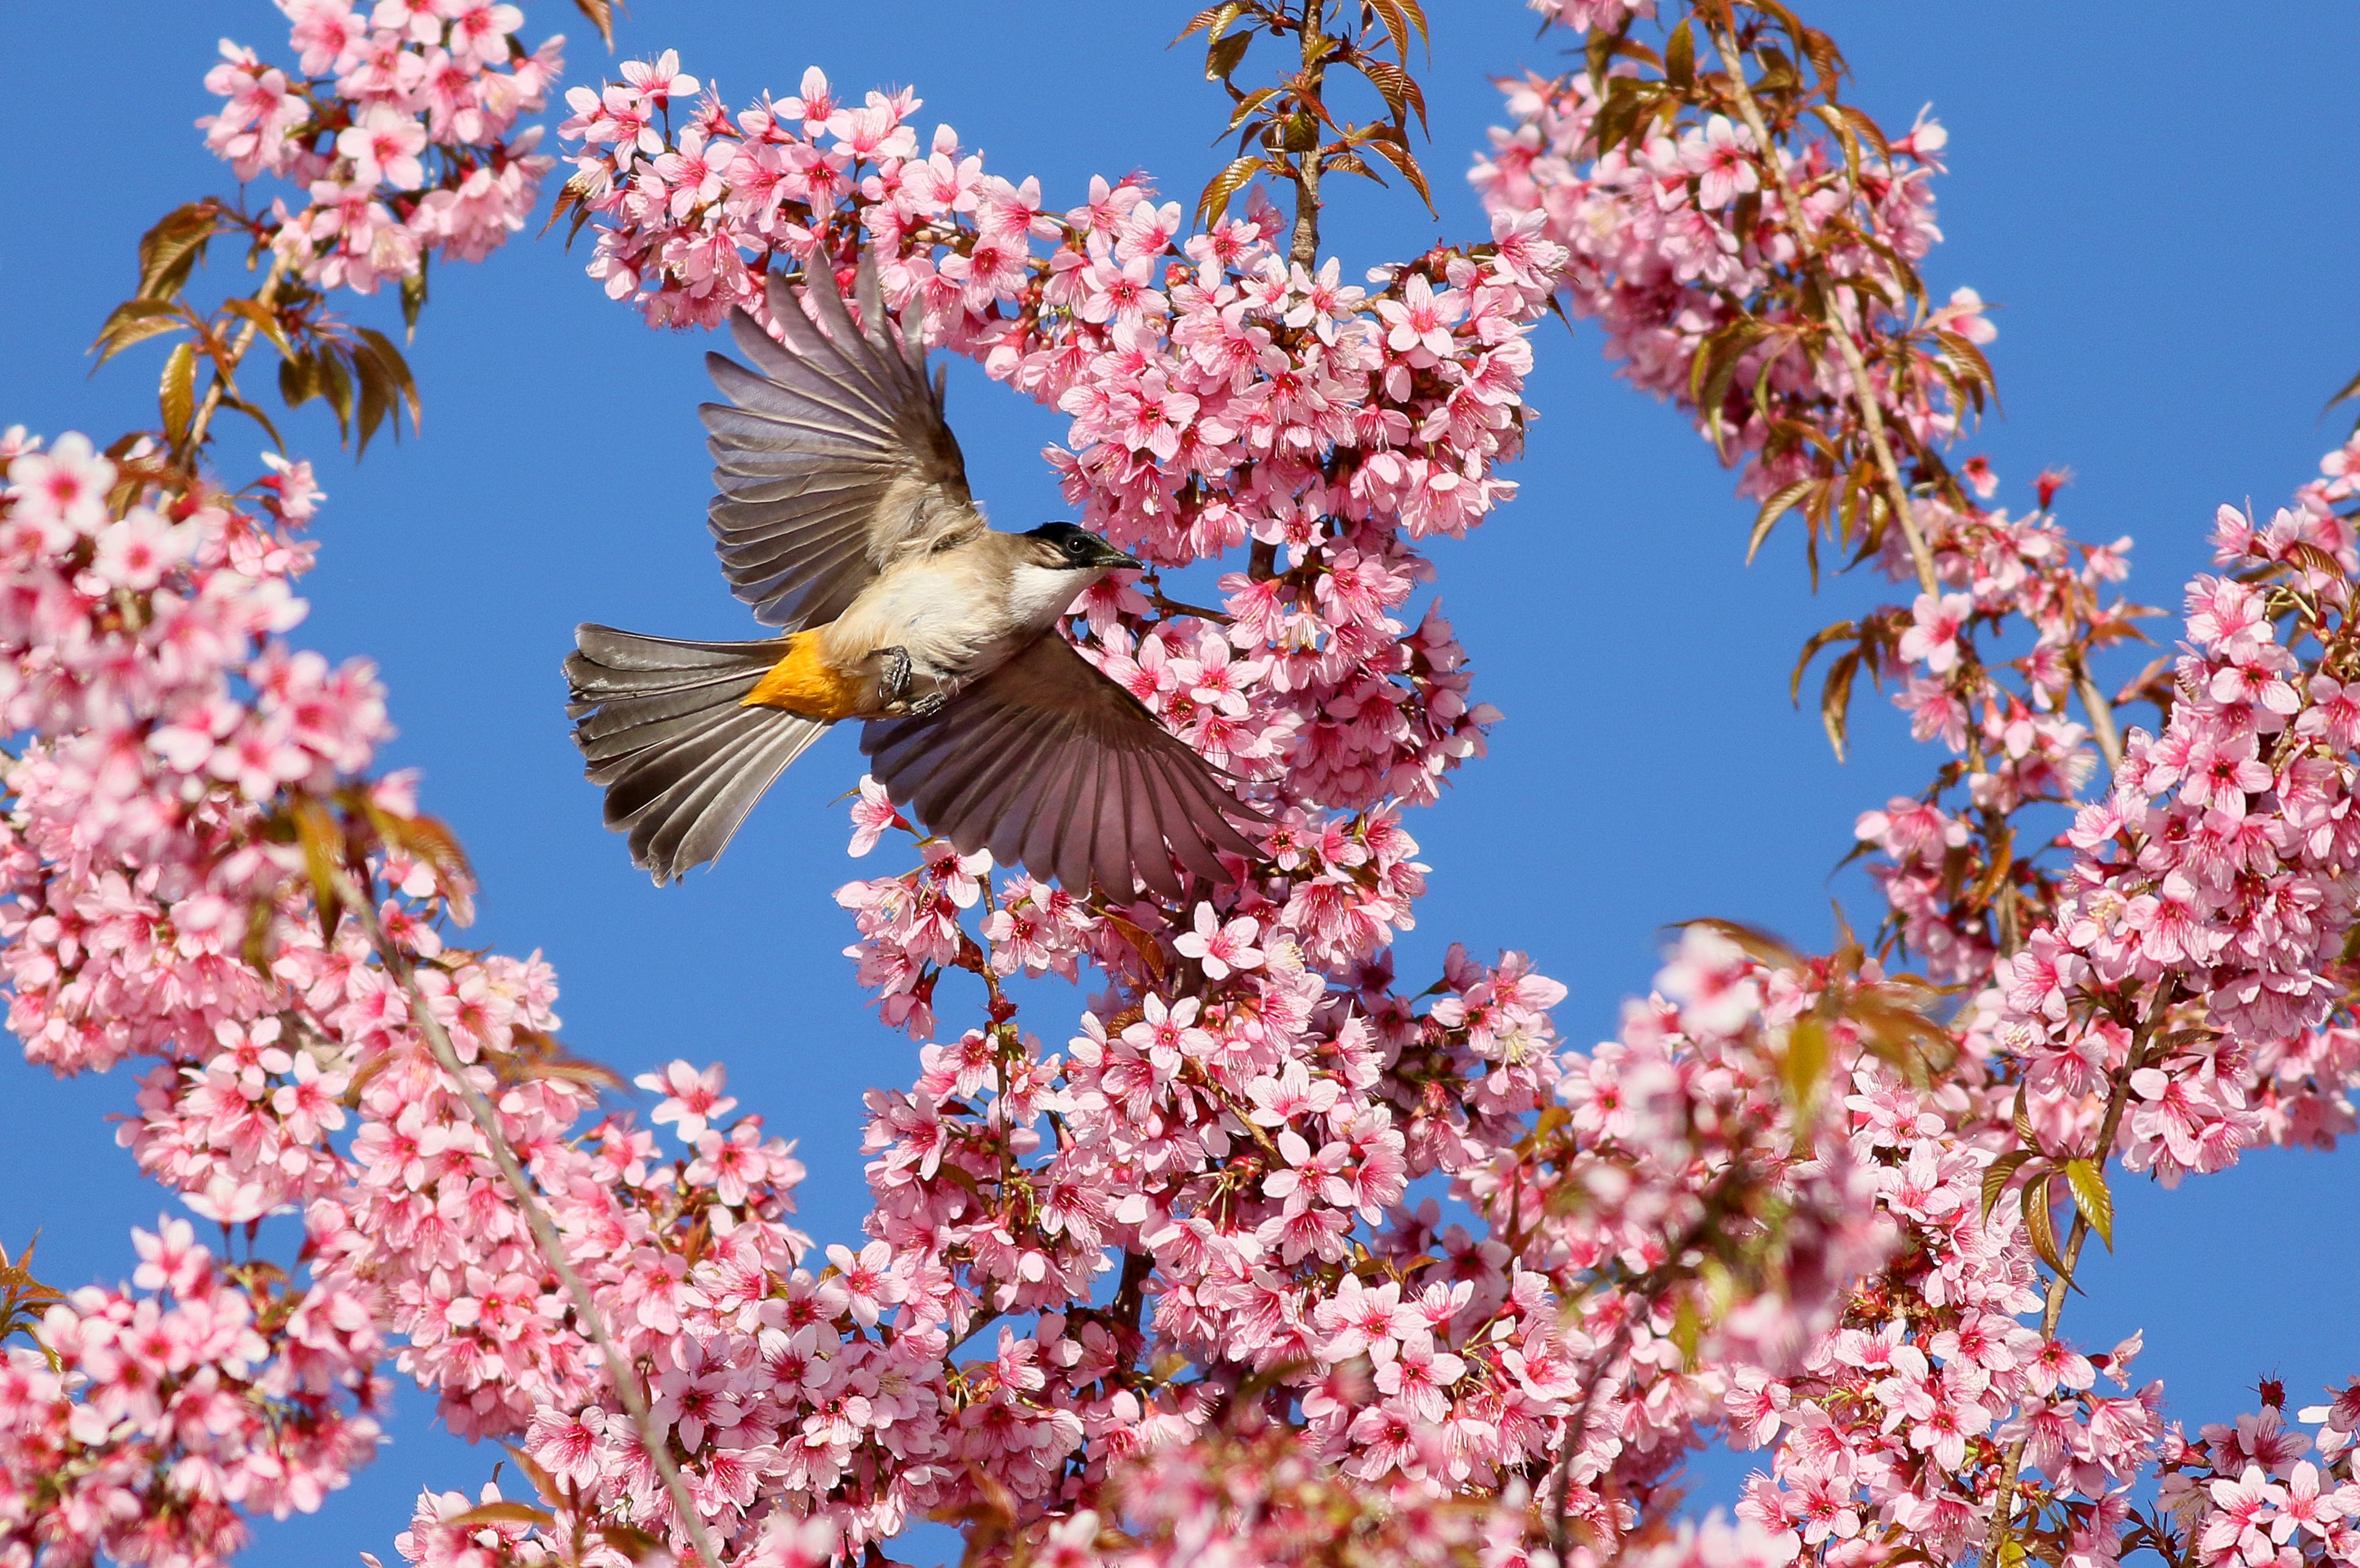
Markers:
{"x": 1082, "y": 548}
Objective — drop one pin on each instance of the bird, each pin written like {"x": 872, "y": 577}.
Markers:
{"x": 842, "y": 519}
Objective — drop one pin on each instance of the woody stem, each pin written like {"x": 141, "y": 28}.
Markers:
{"x": 619, "y": 1371}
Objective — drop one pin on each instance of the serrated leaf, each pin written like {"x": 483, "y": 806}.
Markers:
{"x": 2350, "y": 389}
{"x": 265, "y": 321}
{"x": 177, "y": 392}
{"x": 299, "y": 380}
{"x": 168, "y": 250}
{"x": 1224, "y": 55}
{"x": 231, "y": 400}
{"x": 601, "y": 14}
{"x": 2002, "y": 1171}
{"x": 2091, "y": 1196}
{"x": 1805, "y": 1063}
{"x": 1217, "y": 18}
{"x": 1835, "y": 697}
{"x": 1396, "y": 24}
{"x": 1228, "y": 183}
{"x": 337, "y": 386}
{"x": 2038, "y": 1225}
{"x": 322, "y": 843}
{"x": 375, "y": 397}
{"x": 1777, "y": 507}
{"x": 1395, "y": 150}
{"x": 114, "y": 340}
{"x": 1818, "y": 640}
{"x": 2310, "y": 558}
{"x": 1679, "y": 57}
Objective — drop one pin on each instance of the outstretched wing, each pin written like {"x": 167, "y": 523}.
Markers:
{"x": 832, "y": 458}
{"x": 1051, "y": 766}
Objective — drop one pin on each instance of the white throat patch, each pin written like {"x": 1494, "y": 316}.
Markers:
{"x": 1039, "y": 595}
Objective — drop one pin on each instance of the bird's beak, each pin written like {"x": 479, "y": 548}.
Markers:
{"x": 1114, "y": 560}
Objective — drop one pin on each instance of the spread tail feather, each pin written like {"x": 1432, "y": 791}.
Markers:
{"x": 662, "y": 726}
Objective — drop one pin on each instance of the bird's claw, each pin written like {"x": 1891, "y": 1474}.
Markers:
{"x": 894, "y": 687}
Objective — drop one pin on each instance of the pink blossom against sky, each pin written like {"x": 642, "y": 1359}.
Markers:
{"x": 2175, "y": 311}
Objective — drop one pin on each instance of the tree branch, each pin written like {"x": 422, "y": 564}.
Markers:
{"x": 551, "y": 1246}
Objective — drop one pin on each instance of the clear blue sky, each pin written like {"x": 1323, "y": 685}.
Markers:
{"x": 2163, "y": 211}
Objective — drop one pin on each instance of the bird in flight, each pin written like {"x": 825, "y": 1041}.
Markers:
{"x": 842, "y": 518}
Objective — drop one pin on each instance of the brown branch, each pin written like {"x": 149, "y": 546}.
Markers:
{"x": 544, "y": 1232}
{"x": 2102, "y": 714}
{"x": 1304, "y": 248}
{"x": 1871, "y": 415}
{"x": 203, "y": 418}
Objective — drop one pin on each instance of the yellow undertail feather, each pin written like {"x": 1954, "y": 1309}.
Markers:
{"x": 805, "y": 682}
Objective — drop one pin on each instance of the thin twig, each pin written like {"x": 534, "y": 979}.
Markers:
{"x": 2101, "y": 715}
{"x": 203, "y": 418}
{"x": 1872, "y": 416}
{"x": 544, "y": 1232}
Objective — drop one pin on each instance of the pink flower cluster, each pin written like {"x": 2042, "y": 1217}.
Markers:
{"x": 2184, "y": 974}
{"x": 2225, "y": 862}
{"x": 398, "y": 125}
{"x": 2251, "y": 1497}
{"x": 1665, "y": 255}
{"x": 155, "y": 1420}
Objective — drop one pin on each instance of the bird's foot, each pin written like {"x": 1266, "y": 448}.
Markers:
{"x": 893, "y": 685}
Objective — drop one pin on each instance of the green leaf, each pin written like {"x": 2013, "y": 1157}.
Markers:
{"x": 1228, "y": 183}
{"x": 177, "y": 393}
{"x": 1224, "y": 55}
{"x": 265, "y": 321}
{"x": 1835, "y": 697}
{"x": 376, "y": 344}
{"x": 602, "y": 17}
{"x": 299, "y": 380}
{"x": 2002, "y": 1171}
{"x": 337, "y": 386}
{"x": 1805, "y": 1063}
{"x": 1777, "y": 507}
{"x": 1679, "y": 58}
{"x": 504, "y": 1513}
{"x": 2091, "y": 1196}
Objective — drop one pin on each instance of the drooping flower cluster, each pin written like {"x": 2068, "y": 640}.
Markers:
{"x": 398, "y": 123}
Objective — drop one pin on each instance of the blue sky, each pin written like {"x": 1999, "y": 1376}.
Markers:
{"x": 2162, "y": 211}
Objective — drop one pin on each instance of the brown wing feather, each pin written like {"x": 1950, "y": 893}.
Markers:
{"x": 832, "y": 459}
{"x": 1050, "y": 765}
